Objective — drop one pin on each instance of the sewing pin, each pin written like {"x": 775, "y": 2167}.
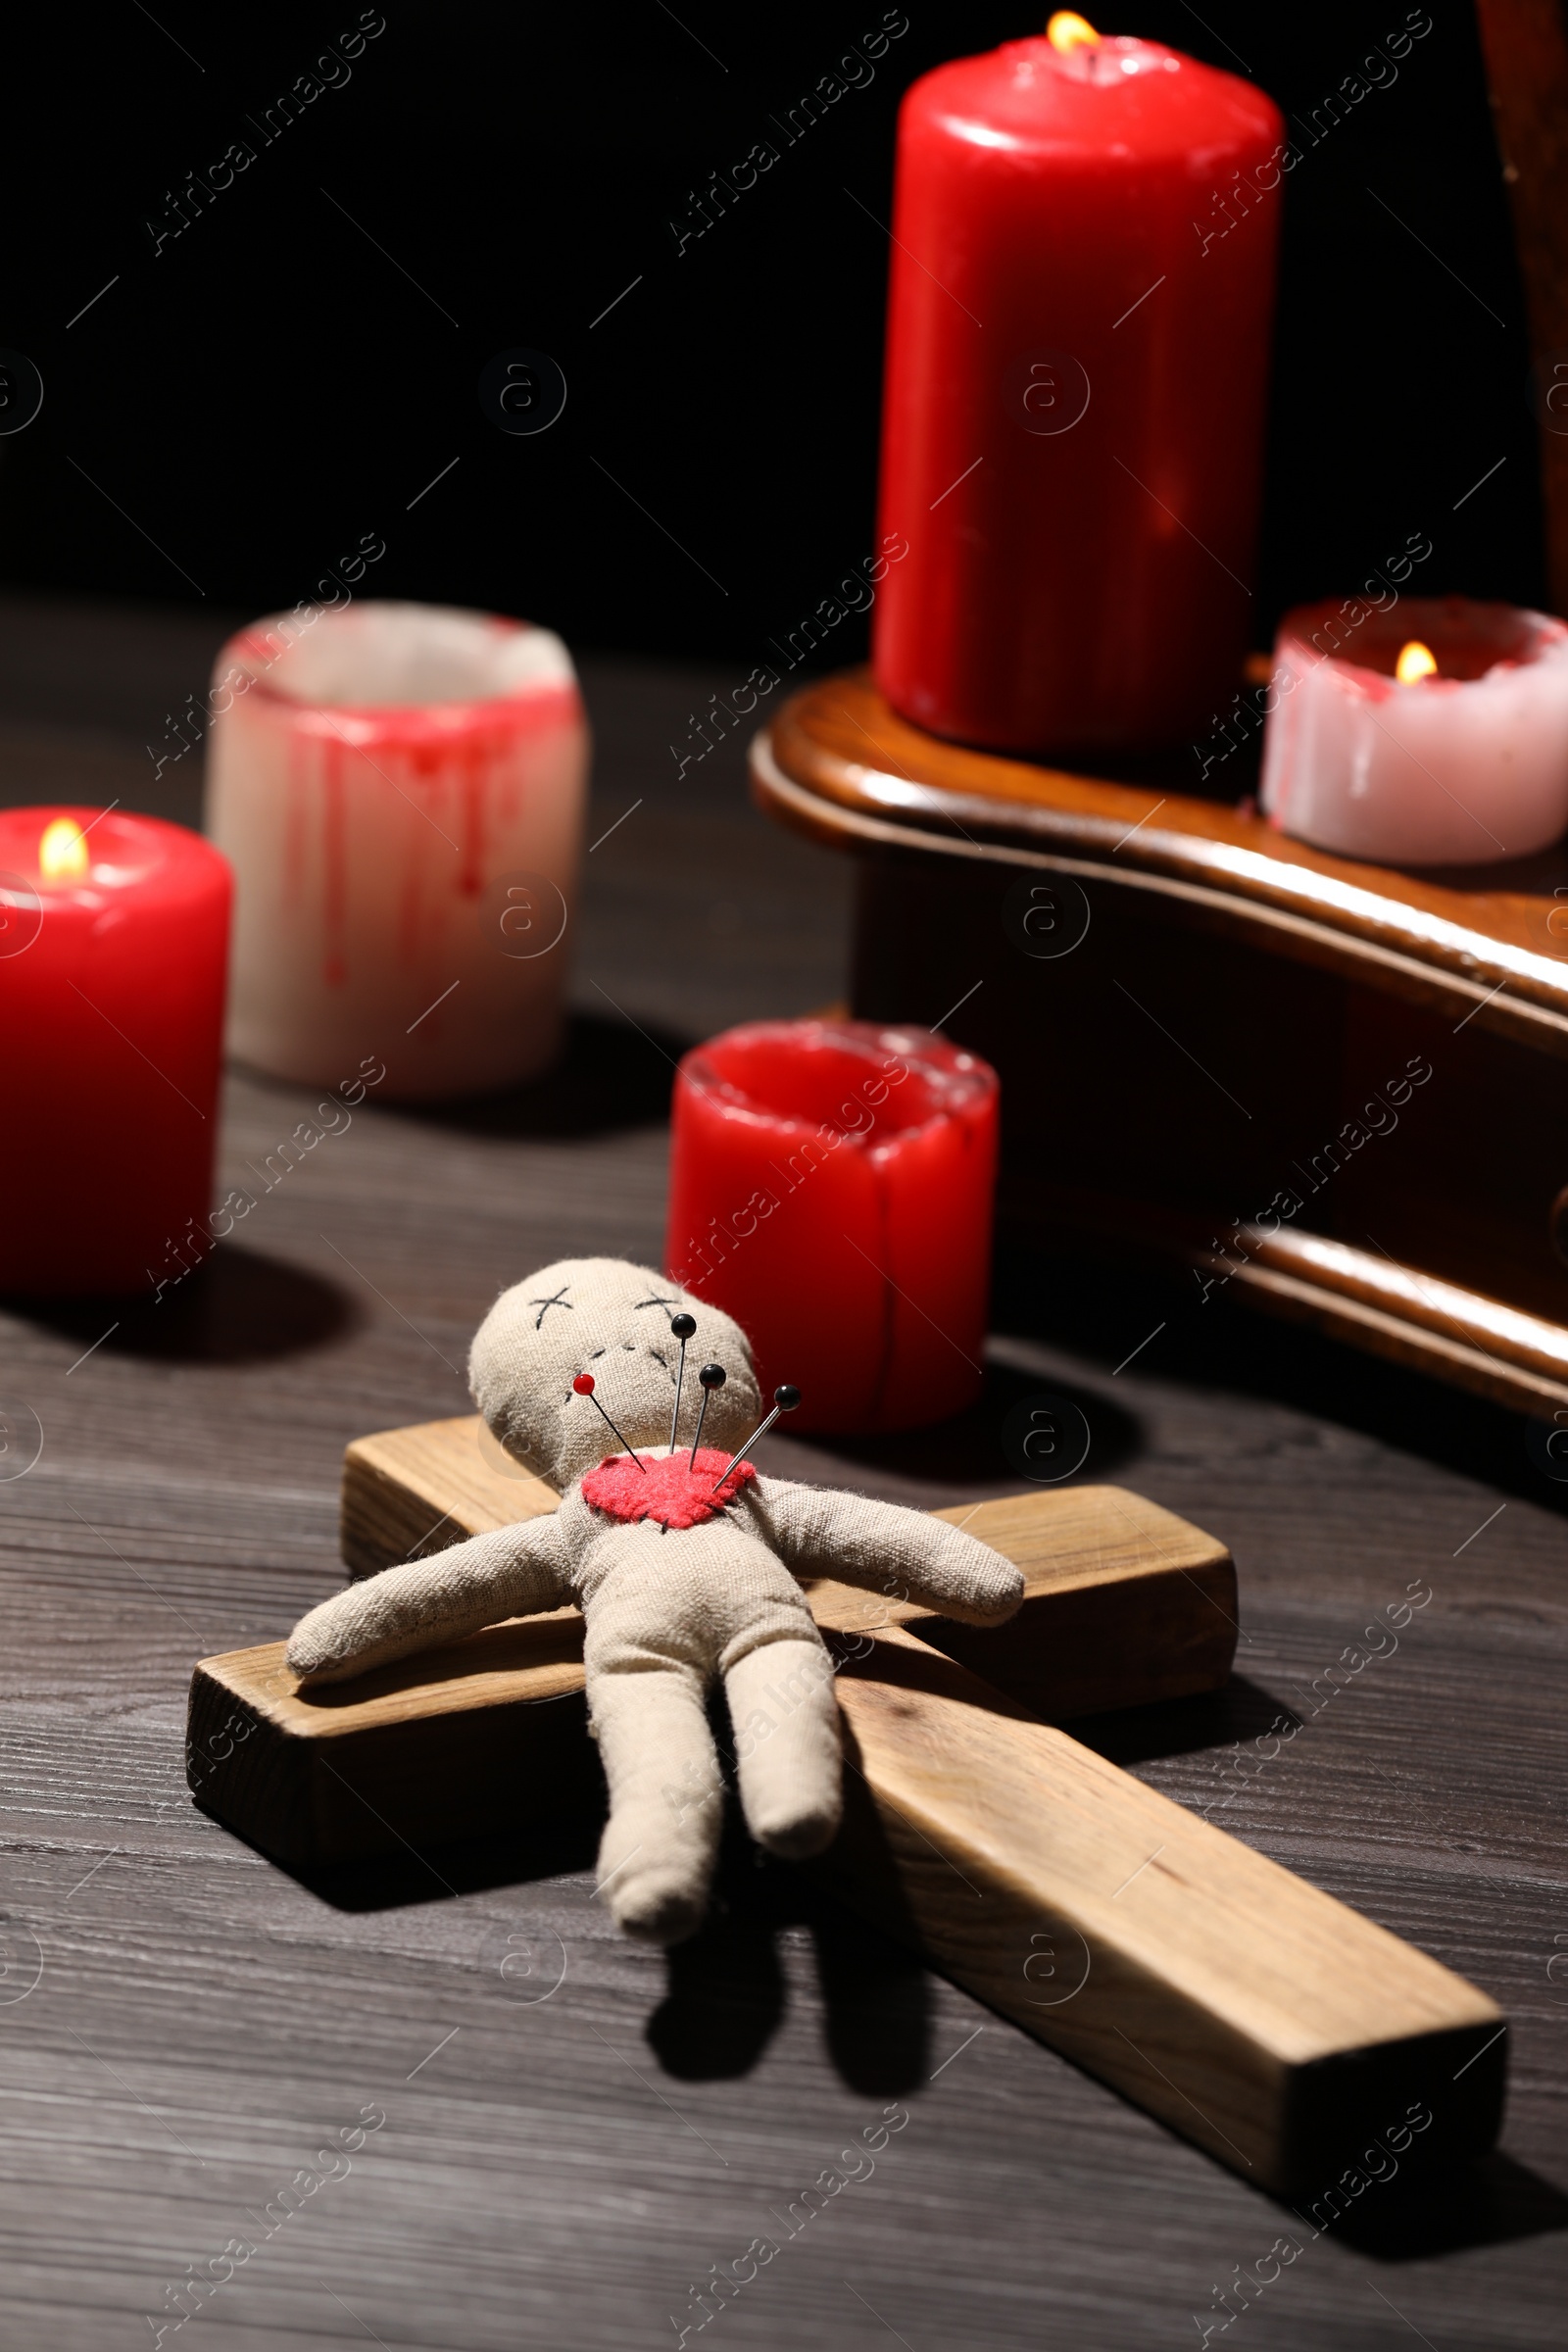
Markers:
{"x": 585, "y": 1386}
{"x": 711, "y": 1376}
{"x": 683, "y": 1326}
{"x": 785, "y": 1399}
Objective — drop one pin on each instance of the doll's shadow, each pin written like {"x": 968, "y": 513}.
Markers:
{"x": 726, "y": 1991}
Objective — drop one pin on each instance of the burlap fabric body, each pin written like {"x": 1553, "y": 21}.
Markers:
{"x": 667, "y": 1610}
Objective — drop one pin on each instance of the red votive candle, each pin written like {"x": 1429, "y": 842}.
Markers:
{"x": 114, "y": 944}
{"x": 831, "y": 1188}
{"x": 1082, "y": 277}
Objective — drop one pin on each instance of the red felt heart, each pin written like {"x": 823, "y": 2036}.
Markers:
{"x": 668, "y": 1490}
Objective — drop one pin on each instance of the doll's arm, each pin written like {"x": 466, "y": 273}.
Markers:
{"x": 906, "y": 1554}
{"x": 510, "y": 1572}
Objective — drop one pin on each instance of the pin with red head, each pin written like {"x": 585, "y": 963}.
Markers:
{"x": 583, "y": 1386}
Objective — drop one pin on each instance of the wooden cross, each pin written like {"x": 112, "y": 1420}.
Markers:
{"x": 1255, "y": 2015}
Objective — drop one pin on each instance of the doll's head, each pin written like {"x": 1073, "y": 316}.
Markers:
{"x": 604, "y": 1316}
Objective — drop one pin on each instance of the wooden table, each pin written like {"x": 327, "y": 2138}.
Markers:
{"x": 561, "y": 2161}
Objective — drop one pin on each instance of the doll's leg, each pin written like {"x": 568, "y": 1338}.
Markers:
{"x": 667, "y": 1798}
{"x": 788, "y": 1754}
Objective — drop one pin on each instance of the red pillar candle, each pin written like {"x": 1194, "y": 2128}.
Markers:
{"x": 1078, "y": 324}
{"x": 831, "y": 1188}
{"x": 114, "y": 941}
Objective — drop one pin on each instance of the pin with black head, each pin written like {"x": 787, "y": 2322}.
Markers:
{"x": 785, "y": 1399}
{"x": 712, "y": 1378}
{"x": 683, "y": 1326}
{"x": 585, "y": 1386}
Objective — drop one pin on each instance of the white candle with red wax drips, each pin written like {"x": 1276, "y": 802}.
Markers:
{"x": 400, "y": 789}
{"x": 1432, "y": 733}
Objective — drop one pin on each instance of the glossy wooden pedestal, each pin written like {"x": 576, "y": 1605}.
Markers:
{"x": 1212, "y": 1043}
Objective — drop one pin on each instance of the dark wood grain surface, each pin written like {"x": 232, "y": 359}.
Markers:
{"x": 569, "y": 2145}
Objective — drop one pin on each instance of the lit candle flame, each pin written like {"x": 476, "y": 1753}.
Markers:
{"x": 1068, "y": 31}
{"x": 63, "y": 850}
{"x": 1415, "y": 661}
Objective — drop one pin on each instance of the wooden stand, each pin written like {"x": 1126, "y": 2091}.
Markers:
{"x": 1249, "y": 2011}
{"x": 1209, "y": 1049}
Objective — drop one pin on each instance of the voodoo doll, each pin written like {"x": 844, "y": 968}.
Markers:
{"x": 684, "y": 1563}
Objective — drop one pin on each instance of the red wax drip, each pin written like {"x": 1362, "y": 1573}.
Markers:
{"x": 334, "y": 869}
{"x": 477, "y": 757}
{"x": 670, "y": 1490}
{"x": 294, "y": 824}
{"x": 417, "y": 837}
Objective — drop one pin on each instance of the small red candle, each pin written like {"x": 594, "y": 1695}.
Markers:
{"x": 831, "y": 1188}
{"x": 113, "y": 940}
{"x": 1078, "y": 324}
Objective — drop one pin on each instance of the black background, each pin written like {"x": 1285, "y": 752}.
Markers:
{"x": 270, "y": 385}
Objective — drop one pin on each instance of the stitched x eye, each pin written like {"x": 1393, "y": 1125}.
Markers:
{"x": 545, "y": 1304}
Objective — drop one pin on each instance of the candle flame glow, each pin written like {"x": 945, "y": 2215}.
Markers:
{"x": 63, "y": 850}
{"x": 1415, "y": 661}
{"x": 1068, "y": 31}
